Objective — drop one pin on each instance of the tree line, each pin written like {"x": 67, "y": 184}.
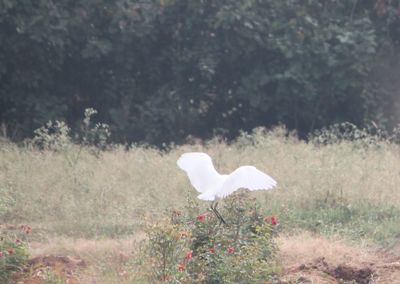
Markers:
{"x": 160, "y": 70}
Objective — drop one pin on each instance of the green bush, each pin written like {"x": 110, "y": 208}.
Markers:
{"x": 13, "y": 253}
{"x": 201, "y": 249}
{"x": 52, "y": 136}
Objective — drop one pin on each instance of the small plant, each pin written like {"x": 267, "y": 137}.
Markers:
{"x": 202, "y": 250}
{"x": 52, "y": 136}
{"x": 51, "y": 277}
{"x": 93, "y": 135}
{"x": 395, "y": 136}
{"x": 13, "y": 253}
{"x": 167, "y": 243}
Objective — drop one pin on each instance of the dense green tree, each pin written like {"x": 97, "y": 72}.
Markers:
{"x": 158, "y": 71}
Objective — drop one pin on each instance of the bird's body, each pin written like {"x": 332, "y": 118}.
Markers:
{"x": 212, "y": 186}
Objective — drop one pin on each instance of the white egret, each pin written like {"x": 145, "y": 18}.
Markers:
{"x": 213, "y": 186}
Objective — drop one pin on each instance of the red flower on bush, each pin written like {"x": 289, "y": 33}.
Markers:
{"x": 230, "y": 250}
{"x": 181, "y": 267}
{"x": 202, "y": 217}
{"x": 1, "y": 254}
{"x": 10, "y": 251}
{"x": 189, "y": 255}
{"x": 212, "y": 250}
{"x": 271, "y": 219}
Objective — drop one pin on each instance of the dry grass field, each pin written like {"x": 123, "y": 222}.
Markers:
{"x": 337, "y": 204}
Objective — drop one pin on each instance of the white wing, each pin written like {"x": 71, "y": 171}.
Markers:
{"x": 248, "y": 177}
{"x": 200, "y": 170}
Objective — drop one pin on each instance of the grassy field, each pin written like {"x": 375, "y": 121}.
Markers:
{"x": 94, "y": 205}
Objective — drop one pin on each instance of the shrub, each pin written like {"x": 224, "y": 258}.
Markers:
{"x": 166, "y": 245}
{"x": 52, "y": 136}
{"x": 93, "y": 134}
{"x": 56, "y": 136}
{"x": 13, "y": 253}
{"x": 201, "y": 249}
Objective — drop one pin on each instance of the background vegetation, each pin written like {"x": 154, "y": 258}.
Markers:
{"x": 160, "y": 70}
{"x": 345, "y": 187}
{"x": 98, "y": 204}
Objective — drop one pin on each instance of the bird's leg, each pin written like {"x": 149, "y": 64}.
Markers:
{"x": 214, "y": 209}
{"x": 219, "y": 214}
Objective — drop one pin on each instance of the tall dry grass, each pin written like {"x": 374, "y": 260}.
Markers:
{"x": 326, "y": 188}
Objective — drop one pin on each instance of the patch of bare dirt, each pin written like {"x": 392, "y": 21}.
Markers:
{"x": 309, "y": 258}
{"x": 43, "y": 268}
{"x": 319, "y": 271}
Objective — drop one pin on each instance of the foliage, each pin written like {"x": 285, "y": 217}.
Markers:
{"x": 13, "y": 253}
{"x": 159, "y": 71}
{"x": 56, "y": 136}
{"x": 166, "y": 246}
{"x": 52, "y": 136}
{"x": 366, "y": 137}
{"x": 203, "y": 250}
{"x": 93, "y": 135}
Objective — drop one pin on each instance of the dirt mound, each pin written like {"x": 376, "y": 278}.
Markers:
{"x": 50, "y": 267}
{"x": 309, "y": 258}
{"x": 320, "y": 271}
{"x": 363, "y": 275}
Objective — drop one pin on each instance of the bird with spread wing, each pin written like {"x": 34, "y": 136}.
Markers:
{"x": 213, "y": 186}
